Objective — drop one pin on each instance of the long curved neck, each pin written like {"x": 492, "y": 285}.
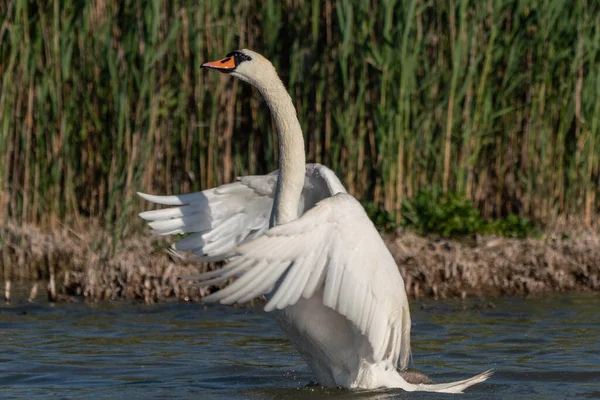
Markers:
{"x": 292, "y": 163}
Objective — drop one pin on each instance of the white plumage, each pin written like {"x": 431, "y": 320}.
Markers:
{"x": 297, "y": 236}
{"x": 223, "y": 217}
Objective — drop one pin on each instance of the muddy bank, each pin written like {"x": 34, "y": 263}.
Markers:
{"x": 99, "y": 267}
{"x": 491, "y": 266}
{"x": 87, "y": 266}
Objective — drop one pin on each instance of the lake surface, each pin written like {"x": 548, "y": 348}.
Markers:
{"x": 540, "y": 348}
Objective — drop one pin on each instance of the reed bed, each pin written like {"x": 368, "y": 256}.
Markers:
{"x": 498, "y": 100}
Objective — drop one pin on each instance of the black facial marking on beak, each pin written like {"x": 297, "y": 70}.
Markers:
{"x": 239, "y": 57}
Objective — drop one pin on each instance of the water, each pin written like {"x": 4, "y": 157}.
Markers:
{"x": 540, "y": 348}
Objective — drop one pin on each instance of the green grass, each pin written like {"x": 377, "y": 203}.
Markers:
{"x": 499, "y": 100}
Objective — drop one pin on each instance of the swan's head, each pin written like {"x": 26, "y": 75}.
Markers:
{"x": 245, "y": 64}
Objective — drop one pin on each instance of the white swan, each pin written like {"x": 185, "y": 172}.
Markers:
{"x": 299, "y": 237}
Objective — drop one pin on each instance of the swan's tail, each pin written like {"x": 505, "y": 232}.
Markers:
{"x": 453, "y": 387}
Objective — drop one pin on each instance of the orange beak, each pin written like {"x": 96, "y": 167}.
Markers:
{"x": 226, "y": 64}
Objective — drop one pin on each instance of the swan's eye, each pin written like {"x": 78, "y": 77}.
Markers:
{"x": 243, "y": 57}
{"x": 238, "y": 57}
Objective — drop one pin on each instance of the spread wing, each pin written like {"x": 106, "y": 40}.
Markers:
{"x": 218, "y": 219}
{"x": 333, "y": 247}
{"x": 221, "y": 218}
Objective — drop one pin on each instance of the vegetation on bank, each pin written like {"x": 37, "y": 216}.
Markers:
{"x": 139, "y": 268}
{"x": 448, "y": 215}
{"x": 496, "y": 100}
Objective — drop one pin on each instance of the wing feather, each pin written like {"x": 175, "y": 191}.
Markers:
{"x": 281, "y": 297}
{"x": 194, "y": 223}
{"x": 315, "y": 279}
{"x": 219, "y": 218}
{"x": 365, "y": 312}
{"x": 245, "y": 284}
{"x": 232, "y": 269}
{"x": 266, "y": 284}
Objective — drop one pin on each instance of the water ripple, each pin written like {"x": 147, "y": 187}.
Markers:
{"x": 540, "y": 348}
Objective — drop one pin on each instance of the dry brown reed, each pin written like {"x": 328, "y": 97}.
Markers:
{"x": 494, "y": 266}
{"x": 140, "y": 268}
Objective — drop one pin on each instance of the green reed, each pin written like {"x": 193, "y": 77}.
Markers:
{"x": 498, "y": 100}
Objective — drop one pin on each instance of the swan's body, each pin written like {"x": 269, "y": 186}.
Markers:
{"x": 299, "y": 237}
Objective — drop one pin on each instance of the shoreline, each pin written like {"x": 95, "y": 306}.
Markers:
{"x": 81, "y": 267}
